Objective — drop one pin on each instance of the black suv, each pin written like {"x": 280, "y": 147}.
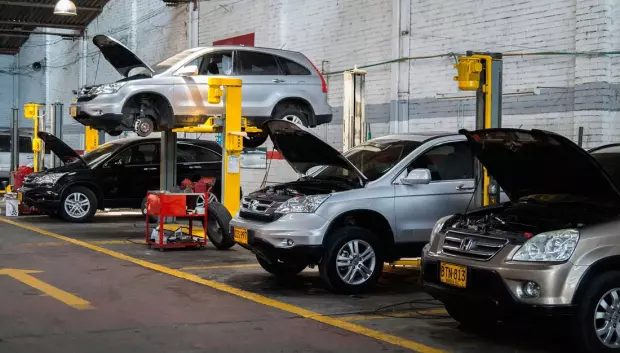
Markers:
{"x": 117, "y": 174}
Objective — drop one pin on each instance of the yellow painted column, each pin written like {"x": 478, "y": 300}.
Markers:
{"x": 91, "y": 137}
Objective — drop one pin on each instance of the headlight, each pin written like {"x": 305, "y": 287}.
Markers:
{"x": 438, "y": 227}
{"x": 48, "y": 179}
{"x": 107, "y": 88}
{"x": 554, "y": 246}
{"x": 302, "y": 204}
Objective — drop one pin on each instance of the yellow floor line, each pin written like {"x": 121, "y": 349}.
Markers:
{"x": 194, "y": 268}
{"x": 404, "y": 314}
{"x": 392, "y": 339}
{"x": 98, "y": 242}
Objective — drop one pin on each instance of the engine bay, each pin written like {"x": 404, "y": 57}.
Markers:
{"x": 283, "y": 192}
{"x": 524, "y": 219}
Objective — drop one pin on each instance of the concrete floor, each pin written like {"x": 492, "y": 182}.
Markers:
{"x": 145, "y": 300}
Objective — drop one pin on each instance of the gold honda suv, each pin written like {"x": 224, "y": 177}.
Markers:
{"x": 553, "y": 250}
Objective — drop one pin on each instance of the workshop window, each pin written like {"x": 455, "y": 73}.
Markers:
{"x": 195, "y": 154}
{"x": 251, "y": 63}
{"x": 293, "y": 68}
{"x": 25, "y": 144}
{"x": 220, "y": 63}
{"x": 451, "y": 161}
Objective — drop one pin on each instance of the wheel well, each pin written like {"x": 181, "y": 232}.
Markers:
{"x": 157, "y": 102}
{"x": 371, "y": 220}
{"x": 601, "y": 266}
{"x": 92, "y": 187}
{"x": 297, "y": 101}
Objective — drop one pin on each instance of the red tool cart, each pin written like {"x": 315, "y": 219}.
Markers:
{"x": 164, "y": 204}
{"x": 18, "y": 180}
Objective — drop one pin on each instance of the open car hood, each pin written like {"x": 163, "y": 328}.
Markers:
{"x": 530, "y": 162}
{"x": 304, "y": 150}
{"x": 123, "y": 59}
{"x": 65, "y": 153}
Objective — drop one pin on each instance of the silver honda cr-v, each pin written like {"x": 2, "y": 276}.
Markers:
{"x": 552, "y": 250}
{"x": 350, "y": 213}
{"x": 277, "y": 84}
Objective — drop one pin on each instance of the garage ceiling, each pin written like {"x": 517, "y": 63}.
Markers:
{"x": 20, "y": 19}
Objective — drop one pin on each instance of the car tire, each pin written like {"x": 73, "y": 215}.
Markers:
{"x": 81, "y": 197}
{"x": 291, "y": 112}
{"x": 144, "y": 126}
{"x": 152, "y": 219}
{"x": 254, "y": 139}
{"x": 352, "y": 242}
{"x": 281, "y": 269}
{"x": 218, "y": 226}
{"x": 605, "y": 287}
{"x": 469, "y": 317}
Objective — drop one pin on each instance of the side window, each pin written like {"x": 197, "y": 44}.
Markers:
{"x": 254, "y": 63}
{"x": 194, "y": 154}
{"x": 451, "y": 161}
{"x": 144, "y": 154}
{"x": 25, "y": 145}
{"x": 220, "y": 63}
{"x": 293, "y": 68}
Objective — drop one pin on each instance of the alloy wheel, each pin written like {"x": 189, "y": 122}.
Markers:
{"x": 294, "y": 119}
{"x": 607, "y": 319}
{"x": 77, "y": 205}
{"x": 356, "y": 262}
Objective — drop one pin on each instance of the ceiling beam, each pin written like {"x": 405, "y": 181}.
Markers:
{"x": 41, "y": 24}
{"x": 13, "y": 35}
{"x": 51, "y": 6}
{"x": 8, "y": 51}
{"x": 26, "y": 32}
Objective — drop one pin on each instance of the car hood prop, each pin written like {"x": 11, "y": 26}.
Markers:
{"x": 304, "y": 150}
{"x": 123, "y": 59}
{"x": 65, "y": 153}
{"x": 533, "y": 162}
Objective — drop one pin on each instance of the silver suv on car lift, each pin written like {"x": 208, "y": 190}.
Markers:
{"x": 350, "y": 213}
{"x": 277, "y": 84}
{"x": 553, "y": 250}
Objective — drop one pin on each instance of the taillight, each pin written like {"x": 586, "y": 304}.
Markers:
{"x": 323, "y": 83}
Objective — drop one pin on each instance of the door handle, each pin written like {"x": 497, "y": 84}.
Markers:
{"x": 277, "y": 80}
{"x": 463, "y": 187}
{"x": 149, "y": 169}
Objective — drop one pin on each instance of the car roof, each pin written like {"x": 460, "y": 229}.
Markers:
{"x": 128, "y": 140}
{"x": 417, "y": 136}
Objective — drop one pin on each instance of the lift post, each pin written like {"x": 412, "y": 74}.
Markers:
{"x": 31, "y": 111}
{"x": 230, "y": 125}
{"x": 482, "y": 72}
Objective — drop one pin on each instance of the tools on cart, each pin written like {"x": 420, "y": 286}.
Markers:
{"x": 189, "y": 203}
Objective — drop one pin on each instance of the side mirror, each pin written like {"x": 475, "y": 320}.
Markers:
{"x": 417, "y": 176}
{"x": 189, "y": 70}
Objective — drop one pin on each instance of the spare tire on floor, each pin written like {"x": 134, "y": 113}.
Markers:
{"x": 218, "y": 226}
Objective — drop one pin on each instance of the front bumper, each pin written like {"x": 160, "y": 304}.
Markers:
{"x": 305, "y": 230}
{"x": 100, "y": 113}
{"x": 43, "y": 198}
{"x": 497, "y": 288}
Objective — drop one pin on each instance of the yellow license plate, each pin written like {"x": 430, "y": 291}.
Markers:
{"x": 74, "y": 111}
{"x": 453, "y": 275}
{"x": 240, "y": 235}
{"x": 19, "y": 196}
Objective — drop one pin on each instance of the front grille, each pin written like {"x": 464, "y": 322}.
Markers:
{"x": 85, "y": 98}
{"x": 259, "y": 210}
{"x": 473, "y": 246}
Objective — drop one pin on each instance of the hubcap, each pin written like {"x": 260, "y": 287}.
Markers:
{"x": 144, "y": 127}
{"x": 607, "y": 319}
{"x": 355, "y": 262}
{"x": 294, "y": 119}
{"x": 77, "y": 205}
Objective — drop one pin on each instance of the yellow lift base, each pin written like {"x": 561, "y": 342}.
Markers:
{"x": 413, "y": 262}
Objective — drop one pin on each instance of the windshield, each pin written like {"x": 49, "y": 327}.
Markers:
{"x": 609, "y": 159}
{"x": 101, "y": 153}
{"x": 171, "y": 61}
{"x": 373, "y": 159}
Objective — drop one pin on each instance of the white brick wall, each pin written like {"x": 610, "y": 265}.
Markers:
{"x": 337, "y": 35}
